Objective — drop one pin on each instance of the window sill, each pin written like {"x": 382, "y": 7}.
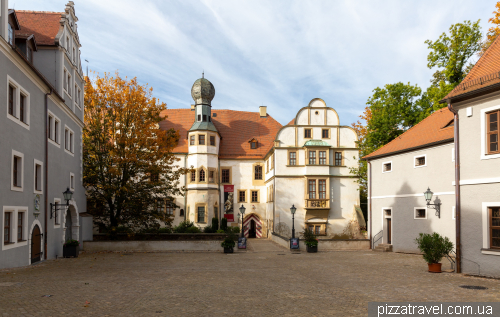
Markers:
{"x": 490, "y": 251}
{"x": 20, "y": 241}
{"x": 69, "y": 152}
{"x": 16, "y": 188}
{"x": 202, "y": 222}
{"x": 54, "y": 143}
{"x": 9, "y": 243}
{"x": 18, "y": 121}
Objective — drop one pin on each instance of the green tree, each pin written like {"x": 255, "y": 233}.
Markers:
{"x": 129, "y": 167}
{"x": 451, "y": 54}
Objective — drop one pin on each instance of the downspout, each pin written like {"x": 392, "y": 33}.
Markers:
{"x": 370, "y": 200}
{"x": 457, "y": 186}
{"x": 185, "y": 184}
{"x": 46, "y": 185}
{"x": 274, "y": 188}
{"x": 218, "y": 191}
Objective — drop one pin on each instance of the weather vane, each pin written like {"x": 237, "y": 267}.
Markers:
{"x": 203, "y": 74}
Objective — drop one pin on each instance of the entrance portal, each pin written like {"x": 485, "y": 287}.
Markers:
{"x": 389, "y": 231}
{"x": 252, "y": 232}
{"x": 252, "y": 226}
{"x": 36, "y": 244}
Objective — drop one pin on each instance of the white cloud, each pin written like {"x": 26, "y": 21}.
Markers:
{"x": 277, "y": 53}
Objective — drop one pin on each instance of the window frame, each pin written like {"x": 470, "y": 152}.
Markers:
{"x": 212, "y": 138}
{"x": 197, "y": 213}
{"x": 257, "y": 192}
{"x": 484, "y": 131}
{"x": 491, "y": 227}
{"x": 192, "y": 139}
{"x": 200, "y": 138}
{"x": 57, "y": 213}
{"x": 19, "y": 174}
{"x": 294, "y": 158}
{"x": 322, "y": 158}
{"x": 341, "y": 159}
{"x": 72, "y": 181}
{"x": 69, "y": 140}
{"x": 383, "y": 167}
{"x": 310, "y": 133}
{"x": 7, "y": 228}
{"x": 309, "y": 158}
{"x": 13, "y": 227}
{"x": 202, "y": 174}
{"x": 54, "y": 131}
{"x": 418, "y": 157}
{"x": 488, "y": 132}
{"x": 36, "y": 177}
{"x": 244, "y": 192}
{"x": 222, "y": 169}
{"x": 258, "y": 173}
{"x": 15, "y": 102}
{"x": 311, "y": 182}
{"x": 323, "y": 133}
{"x": 415, "y": 213}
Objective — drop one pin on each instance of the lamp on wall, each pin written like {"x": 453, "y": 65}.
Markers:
{"x": 242, "y": 211}
{"x": 68, "y": 194}
{"x": 428, "y": 197}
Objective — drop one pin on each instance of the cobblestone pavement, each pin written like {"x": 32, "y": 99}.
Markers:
{"x": 252, "y": 283}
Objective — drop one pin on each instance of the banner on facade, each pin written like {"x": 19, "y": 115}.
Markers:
{"x": 229, "y": 202}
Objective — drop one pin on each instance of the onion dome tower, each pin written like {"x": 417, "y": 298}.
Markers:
{"x": 203, "y": 92}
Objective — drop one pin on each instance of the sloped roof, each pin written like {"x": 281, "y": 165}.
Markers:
{"x": 43, "y": 24}
{"x": 291, "y": 122}
{"x": 434, "y": 129}
{"x": 235, "y": 128}
{"x": 486, "y": 72}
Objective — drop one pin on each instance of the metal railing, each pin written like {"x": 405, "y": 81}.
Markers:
{"x": 317, "y": 203}
{"x": 380, "y": 234}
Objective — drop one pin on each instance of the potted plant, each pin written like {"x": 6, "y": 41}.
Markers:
{"x": 310, "y": 241}
{"x": 228, "y": 244}
{"x": 70, "y": 248}
{"x": 434, "y": 247}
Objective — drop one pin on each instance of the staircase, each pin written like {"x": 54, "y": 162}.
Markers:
{"x": 383, "y": 247}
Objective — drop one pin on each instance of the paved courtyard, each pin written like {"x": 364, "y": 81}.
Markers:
{"x": 266, "y": 280}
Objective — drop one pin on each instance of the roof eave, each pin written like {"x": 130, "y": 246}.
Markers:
{"x": 472, "y": 94}
{"x": 365, "y": 158}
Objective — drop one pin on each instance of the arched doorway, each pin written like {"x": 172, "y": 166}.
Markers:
{"x": 252, "y": 226}
{"x": 68, "y": 226}
{"x": 36, "y": 244}
{"x": 71, "y": 223}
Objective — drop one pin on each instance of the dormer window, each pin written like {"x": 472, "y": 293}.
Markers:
{"x": 199, "y": 117}
{"x": 253, "y": 144}
{"x": 204, "y": 118}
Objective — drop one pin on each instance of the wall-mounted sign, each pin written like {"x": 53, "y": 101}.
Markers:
{"x": 294, "y": 243}
{"x": 37, "y": 202}
{"x": 229, "y": 202}
{"x": 242, "y": 243}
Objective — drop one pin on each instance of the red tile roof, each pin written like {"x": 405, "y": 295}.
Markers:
{"x": 434, "y": 129}
{"x": 236, "y": 128}
{"x": 291, "y": 122}
{"x": 45, "y": 25}
{"x": 485, "y": 72}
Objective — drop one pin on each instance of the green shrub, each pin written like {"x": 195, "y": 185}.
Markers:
{"x": 220, "y": 231}
{"x": 235, "y": 229}
{"x": 72, "y": 243}
{"x": 223, "y": 224}
{"x": 183, "y": 227}
{"x": 165, "y": 230}
{"x": 193, "y": 229}
{"x": 208, "y": 229}
{"x": 215, "y": 224}
{"x": 310, "y": 238}
{"x": 433, "y": 246}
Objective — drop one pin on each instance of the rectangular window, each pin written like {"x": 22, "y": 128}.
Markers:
{"x": 56, "y": 214}
{"x": 307, "y": 133}
{"x": 201, "y": 139}
{"x": 51, "y": 134}
{"x": 66, "y": 139}
{"x": 38, "y": 177}
{"x": 191, "y": 140}
{"x": 312, "y": 189}
{"x": 312, "y": 157}
{"x": 317, "y": 230}
{"x": 241, "y": 196}
{"x": 211, "y": 176}
{"x": 494, "y": 227}
{"x": 420, "y": 161}
{"x": 267, "y": 166}
{"x": 204, "y": 118}
{"x": 493, "y": 132}
{"x": 325, "y": 133}
{"x": 387, "y": 167}
{"x": 255, "y": 196}
{"x": 72, "y": 181}
{"x": 199, "y": 117}
{"x": 272, "y": 162}
{"x": 56, "y": 129}
{"x": 201, "y": 214}
{"x": 160, "y": 207}
{"x": 338, "y": 158}
{"x": 225, "y": 176}
{"x": 212, "y": 140}
{"x": 20, "y": 216}
{"x": 322, "y": 188}
{"x": 22, "y": 108}
{"x": 193, "y": 177}
{"x": 170, "y": 209}
{"x": 258, "y": 172}
{"x": 11, "y": 100}
{"x": 253, "y": 145}
{"x": 65, "y": 83}
{"x": 420, "y": 214}
{"x": 293, "y": 158}
{"x": 17, "y": 172}
{"x": 69, "y": 85}
{"x": 322, "y": 157}
{"x": 71, "y": 136}
{"x": 6, "y": 228}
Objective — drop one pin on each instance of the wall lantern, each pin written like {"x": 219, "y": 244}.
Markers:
{"x": 428, "y": 197}
{"x": 68, "y": 194}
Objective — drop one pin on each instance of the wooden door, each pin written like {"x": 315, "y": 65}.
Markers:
{"x": 389, "y": 231}
{"x": 253, "y": 229}
{"x": 36, "y": 245}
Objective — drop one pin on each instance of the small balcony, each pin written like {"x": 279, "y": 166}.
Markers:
{"x": 317, "y": 204}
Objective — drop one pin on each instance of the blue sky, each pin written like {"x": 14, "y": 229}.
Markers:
{"x": 280, "y": 54}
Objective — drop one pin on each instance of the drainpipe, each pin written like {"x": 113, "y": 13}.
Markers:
{"x": 218, "y": 191}
{"x": 274, "y": 187}
{"x": 370, "y": 199}
{"x": 457, "y": 186}
{"x": 46, "y": 187}
{"x": 185, "y": 184}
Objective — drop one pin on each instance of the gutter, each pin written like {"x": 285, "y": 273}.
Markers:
{"x": 365, "y": 158}
{"x": 457, "y": 188}
{"x": 471, "y": 94}
{"x": 46, "y": 187}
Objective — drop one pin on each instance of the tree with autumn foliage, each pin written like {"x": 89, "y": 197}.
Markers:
{"x": 492, "y": 31}
{"x": 128, "y": 159}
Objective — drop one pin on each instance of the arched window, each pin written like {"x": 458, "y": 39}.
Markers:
{"x": 202, "y": 175}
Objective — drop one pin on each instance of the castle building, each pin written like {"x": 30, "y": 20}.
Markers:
{"x": 248, "y": 159}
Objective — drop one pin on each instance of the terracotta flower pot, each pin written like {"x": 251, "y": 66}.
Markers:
{"x": 434, "y": 267}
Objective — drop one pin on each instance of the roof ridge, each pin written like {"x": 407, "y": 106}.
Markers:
{"x": 399, "y": 136}
{"x": 33, "y": 11}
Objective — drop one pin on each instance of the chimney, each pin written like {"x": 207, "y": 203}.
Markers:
{"x": 263, "y": 111}
{"x": 192, "y": 107}
{"x": 4, "y": 18}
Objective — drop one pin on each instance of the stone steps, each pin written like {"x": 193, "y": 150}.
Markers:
{"x": 383, "y": 247}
